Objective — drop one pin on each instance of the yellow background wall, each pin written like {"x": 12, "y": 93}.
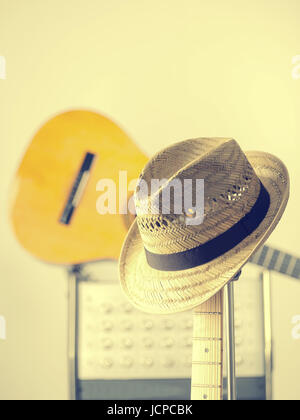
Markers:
{"x": 166, "y": 71}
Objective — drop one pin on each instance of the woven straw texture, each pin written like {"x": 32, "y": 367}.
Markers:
{"x": 231, "y": 187}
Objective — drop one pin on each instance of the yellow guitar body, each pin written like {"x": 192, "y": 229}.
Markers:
{"x": 52, "y": 219}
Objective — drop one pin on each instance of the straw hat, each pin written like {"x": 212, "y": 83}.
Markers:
{"x": 168, "y": 265}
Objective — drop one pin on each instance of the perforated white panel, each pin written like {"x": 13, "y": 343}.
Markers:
{"x": 116, "y": 341}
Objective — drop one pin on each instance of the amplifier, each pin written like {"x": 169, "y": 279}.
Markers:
{"x": 124, "y": 353}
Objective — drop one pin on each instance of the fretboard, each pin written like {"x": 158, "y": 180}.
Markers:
{"x": 207, "y": 368}
{"x": 276, "y": 260}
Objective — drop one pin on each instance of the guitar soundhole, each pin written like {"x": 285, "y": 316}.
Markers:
{"x": 77, "y": 189}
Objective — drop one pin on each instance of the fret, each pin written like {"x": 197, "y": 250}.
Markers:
{"x": 206, "y": 392}
{"x": 285, "y": 263}
{"x": 291, "y": 266}
{"x": 207, "y": 363}
{"x": 273, "y": 259}
{"x": 207, "y": 352}
{"x": 268, "y": 257}
{"x": 279, "y": 261}
{"x": 207, "y": 370}
{"x": 207, "y": 338}
{"x": 296, "y": 271}
{"x": 207, "y": 313}
{"x": 255, "y": 257}
{"x": 263, "y": 254}
{"x": 207, "y": 373}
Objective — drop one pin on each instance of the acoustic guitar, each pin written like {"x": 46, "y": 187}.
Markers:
{"x": 207, "y": 361}
{"x": 54, "y": 196}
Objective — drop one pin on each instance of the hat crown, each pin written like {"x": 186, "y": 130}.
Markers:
{"x": 231, "y": 188}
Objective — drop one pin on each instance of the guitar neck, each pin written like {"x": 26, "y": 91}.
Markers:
{"x": 207, "y": 365}
{"x": 273, "y": 259}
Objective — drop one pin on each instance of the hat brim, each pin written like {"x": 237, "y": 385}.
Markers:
{"x": 165, "y": 292}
